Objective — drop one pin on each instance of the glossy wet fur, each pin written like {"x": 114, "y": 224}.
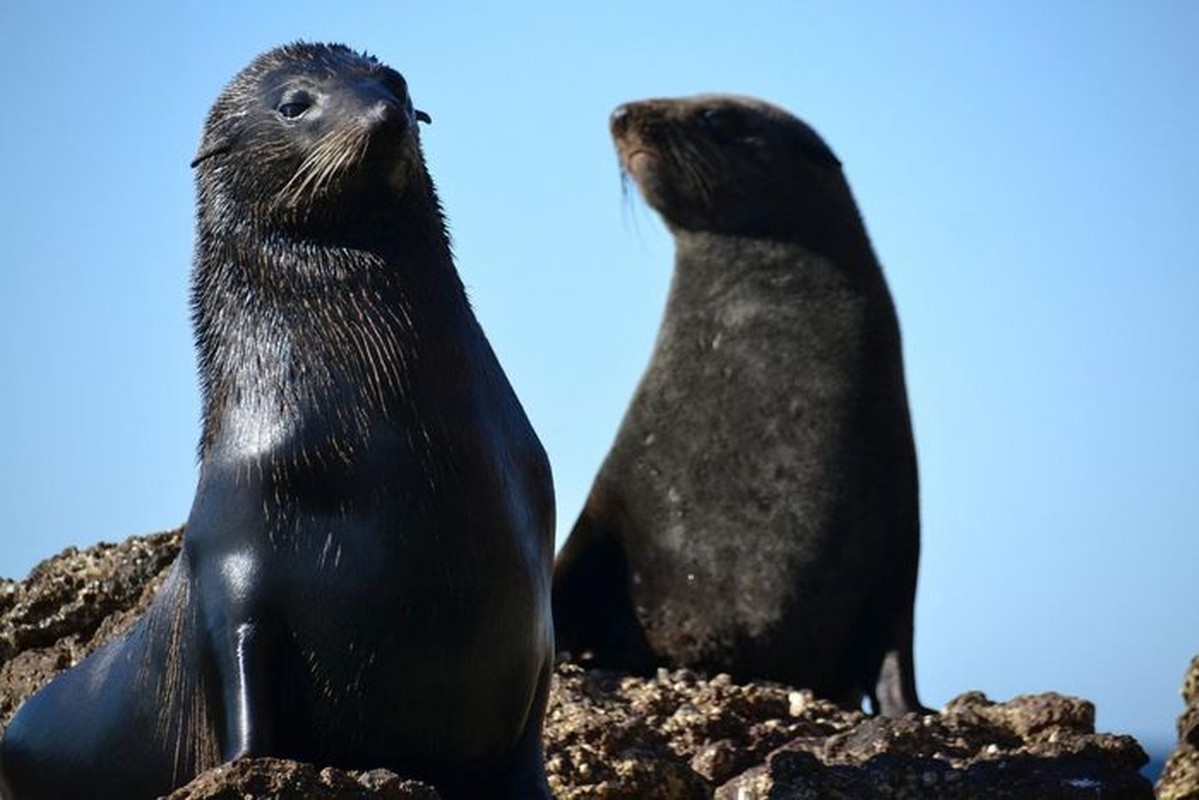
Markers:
{"x": 757, "y": 513}
{"x": 364, "y": 579}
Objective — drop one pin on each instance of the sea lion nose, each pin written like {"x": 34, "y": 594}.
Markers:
{"x": 380, "y": 106}
{"x": 619, "y": 121}
{"x": 387, "y": 112}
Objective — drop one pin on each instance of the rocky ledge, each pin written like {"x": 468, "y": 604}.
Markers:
{"x": 1180, "y": 777}
{"x": 675, "y": 735}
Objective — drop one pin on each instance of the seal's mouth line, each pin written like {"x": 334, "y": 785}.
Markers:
{"x": 204, "y": 155}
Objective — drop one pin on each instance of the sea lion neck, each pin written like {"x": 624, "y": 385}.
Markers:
{"x": 291, "y": 329}
{"x": 708, "y": 257}
{"x": 323, "y": 287}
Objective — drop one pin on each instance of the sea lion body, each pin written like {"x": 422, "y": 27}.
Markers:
{"x": 365, "y": 573}
{"x": 757, "y": 513}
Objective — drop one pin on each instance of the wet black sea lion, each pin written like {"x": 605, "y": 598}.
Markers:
{"x": 757, "y": 513}
{"x": 365, "y": 575}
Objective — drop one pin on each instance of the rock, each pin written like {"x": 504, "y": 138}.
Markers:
{"x": 71, "y": 604}
{"x": 278, "y": 779}
{"x": 606, "y": 733}
{"x": 1180, "y": 777}
{"x": 1039, "y": 746}
{"x": 676, "y": 735}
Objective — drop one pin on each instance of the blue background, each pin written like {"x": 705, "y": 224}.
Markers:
{"x": 1029, "y": 174}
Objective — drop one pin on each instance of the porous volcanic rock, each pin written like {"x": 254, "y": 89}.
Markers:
{"x": 278, "y": 779}
{"x": 1180, "y": 777}
{"x": 71, "y": 604}
{"x": 612, "y": 736}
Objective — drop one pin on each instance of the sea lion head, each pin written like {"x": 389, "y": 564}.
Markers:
{"x": 316, "y": 223}
{"x": 725, "y": 164}
{"x": 302, "y": 129}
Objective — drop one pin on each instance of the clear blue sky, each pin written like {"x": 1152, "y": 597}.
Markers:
{"x": 1029, "y": 173}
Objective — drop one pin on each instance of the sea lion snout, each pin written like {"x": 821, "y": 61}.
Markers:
{"x": 375, "y": 105}
{"x": 618, "y": 122}
{"x": 633, "y": 150}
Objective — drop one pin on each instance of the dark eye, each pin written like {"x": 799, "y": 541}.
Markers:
{"x": 723, "y": 123}
{"x": 294, "y": 105}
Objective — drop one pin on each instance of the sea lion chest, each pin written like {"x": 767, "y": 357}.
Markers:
{"x": 373, "y": 571}
{"x": 739, "y": 450}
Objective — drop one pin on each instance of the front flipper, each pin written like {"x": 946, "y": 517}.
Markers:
{"x": 247, "y": 692}
{"x": 525, "y": 779}
{"x": 895, "y": 692}
{"x": 520, "y": 773}
{"x": 592, "y": 593}
{"x": 132, "y": 721}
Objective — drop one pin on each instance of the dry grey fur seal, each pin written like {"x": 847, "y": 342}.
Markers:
{"x": 757, "y": 513}
{"x": 365, "y": 574}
